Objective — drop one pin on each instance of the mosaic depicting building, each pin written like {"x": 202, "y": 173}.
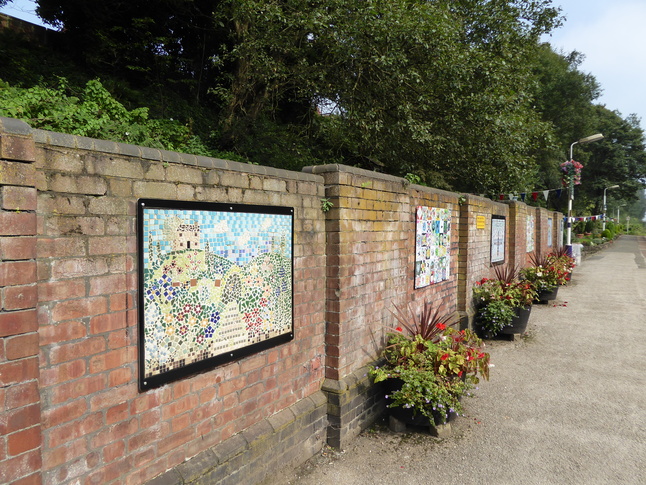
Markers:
{"x": 201, "y": 303}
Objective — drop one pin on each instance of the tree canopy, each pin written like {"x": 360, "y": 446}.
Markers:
{"x": 459, "y": 93}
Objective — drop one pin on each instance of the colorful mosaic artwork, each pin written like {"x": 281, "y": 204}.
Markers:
{"x": 432, "y": 245}
{"x": 213, "y": 281}
{"x": 498, "y": 228}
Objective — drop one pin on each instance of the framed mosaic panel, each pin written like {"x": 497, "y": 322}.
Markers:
{"x": 550, "y": 231}
{"x": 432, "y": 245}
{"x": 215, "y": 284}
{"x": 531, "y": 231}
{"x": 498, "y": 235}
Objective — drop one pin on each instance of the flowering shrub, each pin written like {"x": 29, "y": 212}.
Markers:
{"x": 571, "y": 173}
{"x": 544, "y": 278}
{"x": 435, "y": 372}
{"x": 498, "y": 299}
{"x": 563, "y": 264}
{"x": 544, "y": 274}
{"x": 517, "y": 293}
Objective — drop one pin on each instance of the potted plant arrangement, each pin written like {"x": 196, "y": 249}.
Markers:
{"x": 503, "y": 303}
{"x": 429, "y": 366}
{"x": 544, "y": 277}
{"x": 563, "y": 264}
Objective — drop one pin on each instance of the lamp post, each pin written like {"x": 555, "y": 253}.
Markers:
{"x": 587, "y": 139}
{"x": 604, "y": 204}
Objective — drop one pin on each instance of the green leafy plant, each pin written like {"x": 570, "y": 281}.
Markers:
{"x": 543, "y": 274}
{"x": 413, "y": 178}
{"x": 93, "y": 112}
{"x": 326, "y": 205}
{"x": 434, "y": 363}
{"x": 498, "y": 298}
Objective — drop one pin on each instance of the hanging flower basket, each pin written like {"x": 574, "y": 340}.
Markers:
{"x": 571, "y": 173}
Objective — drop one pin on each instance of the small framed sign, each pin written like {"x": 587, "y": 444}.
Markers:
{"x": 498, "y": 235}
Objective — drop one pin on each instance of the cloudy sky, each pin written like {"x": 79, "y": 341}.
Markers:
{"x": 611, "y": 35}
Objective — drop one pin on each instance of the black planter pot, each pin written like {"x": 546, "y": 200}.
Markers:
{"x": 519, "y": 322}
{"x": 547, "y": 295}
{"x": 410, "y": 416}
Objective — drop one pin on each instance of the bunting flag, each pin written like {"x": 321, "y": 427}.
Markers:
{"x": 598, "y": 217}
{"x": 534, "y": 194}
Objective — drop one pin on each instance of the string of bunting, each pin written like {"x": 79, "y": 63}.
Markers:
{"x": 546, "y": 193}
{"x": 598, "y": 217}
{"x": 533, "y": 195}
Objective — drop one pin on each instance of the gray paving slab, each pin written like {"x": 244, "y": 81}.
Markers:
{"x": 565, "y": 405}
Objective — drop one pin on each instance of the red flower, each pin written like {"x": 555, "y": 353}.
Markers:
{"x": 441, "y": 326}
{"x": 444, "y": 356}
{"x": 399, "y": 329}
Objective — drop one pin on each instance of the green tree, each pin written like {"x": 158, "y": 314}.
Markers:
{"x": 618, "y": 159}
{"x": 433, "y": 88}
{"x": 159, "y": 43}
{"x": 443, "y": 90}
{"x": 563, "y": 96}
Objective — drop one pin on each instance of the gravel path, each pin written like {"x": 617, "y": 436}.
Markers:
{"x": 564, "y": 405}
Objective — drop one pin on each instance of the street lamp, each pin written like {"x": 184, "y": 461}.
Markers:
{"x": 604, "y": 204}
{"x": 587, "y": 139}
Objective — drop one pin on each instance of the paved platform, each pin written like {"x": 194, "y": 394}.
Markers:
{"x": 565, "y": 405}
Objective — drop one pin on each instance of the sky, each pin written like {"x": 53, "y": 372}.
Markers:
{"x": 611, "y": 35}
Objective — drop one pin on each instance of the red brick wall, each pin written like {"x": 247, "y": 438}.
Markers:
{"x": 371, "y": 257}
{"x": 97, "y": 426}
{"x": 71, "y": 409}
{"x": 20, "y": 405}
{"x": 543, "y": 216}
{"x": 475, "y": 244}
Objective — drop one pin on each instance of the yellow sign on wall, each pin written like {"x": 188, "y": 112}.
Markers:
{"x": 480, "y": 222}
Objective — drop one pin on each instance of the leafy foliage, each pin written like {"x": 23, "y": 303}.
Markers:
{"x": 433, "y": 375}
{"x": 428, "y": 326}
{"x": 458, "y": 94}
{"x": 564, "y": 97}
{"x": 497, "y": 299}
{"x": 435, "y": 89}
{"x": 93, "y": 112}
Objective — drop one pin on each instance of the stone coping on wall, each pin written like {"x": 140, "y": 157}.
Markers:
{"x": 12, "y": 126}
{"x": 337, "y": 167}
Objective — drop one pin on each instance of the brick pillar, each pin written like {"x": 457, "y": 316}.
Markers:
{"x": 20, "y": 411}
